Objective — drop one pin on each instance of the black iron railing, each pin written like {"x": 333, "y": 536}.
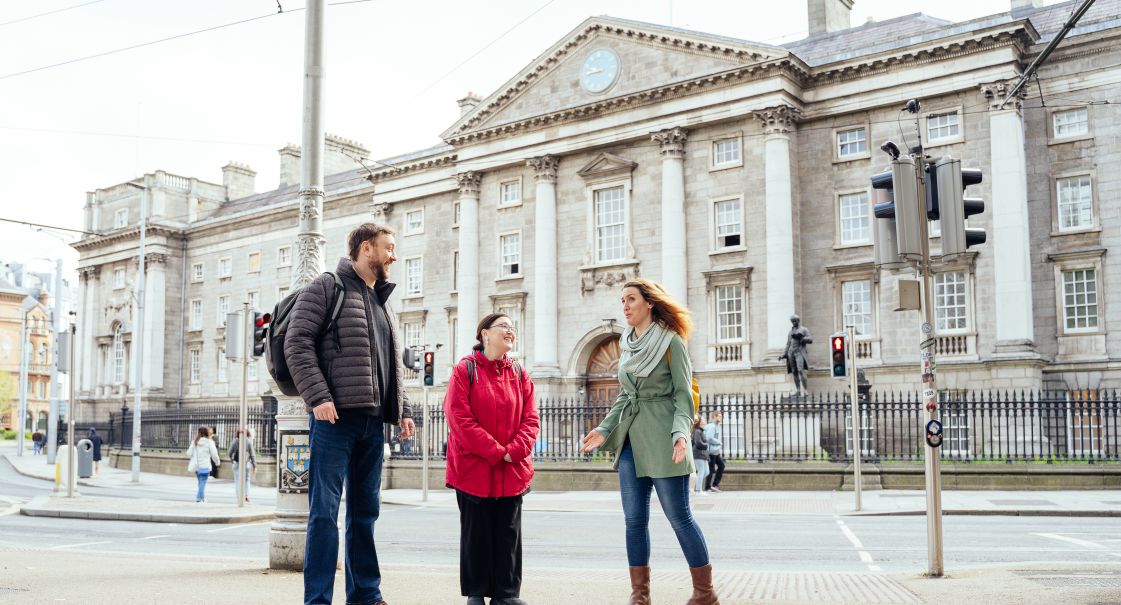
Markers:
{"x": 175, "y": 429}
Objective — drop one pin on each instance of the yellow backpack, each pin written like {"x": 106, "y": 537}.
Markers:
{"x": 695, "y": 388}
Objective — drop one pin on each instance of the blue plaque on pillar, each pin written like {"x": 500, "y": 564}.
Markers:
{"x": 295, "y": 456}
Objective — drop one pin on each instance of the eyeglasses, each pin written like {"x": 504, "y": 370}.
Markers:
{"x": 507, "y": 327}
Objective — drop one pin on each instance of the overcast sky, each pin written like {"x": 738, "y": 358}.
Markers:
{"x": 190, "y": 105}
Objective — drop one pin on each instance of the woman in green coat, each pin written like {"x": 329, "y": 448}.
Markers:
{"x": 649, "y": 428}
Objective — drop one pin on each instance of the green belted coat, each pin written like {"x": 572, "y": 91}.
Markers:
{"x": 653, "y": 412}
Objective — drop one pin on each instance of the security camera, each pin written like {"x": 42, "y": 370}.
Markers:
{"x": 891, "y": 149}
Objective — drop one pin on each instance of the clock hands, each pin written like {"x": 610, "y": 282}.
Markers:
{"x": 593, "y": 70}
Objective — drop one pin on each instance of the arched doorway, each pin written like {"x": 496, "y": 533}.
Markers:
{"x": 603, "y": 372}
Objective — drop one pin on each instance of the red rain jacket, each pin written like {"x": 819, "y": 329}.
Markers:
{"x": 486, "y": 420}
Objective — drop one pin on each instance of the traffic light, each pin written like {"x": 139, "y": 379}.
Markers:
{"x": 837, "y": 350}
{"x": 429, "y": 368}
{"x": 950, "y": 181}
{"x": 410, "y": 359}
{"x": 902, "y": 206}
{"x": 260, "y": 332}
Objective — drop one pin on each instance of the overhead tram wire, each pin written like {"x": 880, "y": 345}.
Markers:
{"x": 53, "y": 12}
{"x": 42, "y": 226}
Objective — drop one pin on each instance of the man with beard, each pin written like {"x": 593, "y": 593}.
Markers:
{"x": 351, "y": 378}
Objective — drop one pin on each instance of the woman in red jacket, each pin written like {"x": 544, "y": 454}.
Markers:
{"x": 493, "y": 424}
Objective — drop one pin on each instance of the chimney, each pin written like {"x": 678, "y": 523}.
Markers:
{"x": 289, "y": 165}
{"x": 341, "y": 154}
{"x": 828, "y": 16}
{"x": 466, "y": 104}
{"x": 238, "y": 179}
{"x": 1025, "y": 6}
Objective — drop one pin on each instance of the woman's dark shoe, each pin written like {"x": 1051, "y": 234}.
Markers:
{"x": 508, "y": 601}
{"x": 475, "y": 601}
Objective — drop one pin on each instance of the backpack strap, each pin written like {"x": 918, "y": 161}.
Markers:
{"x": 336, "y": 308}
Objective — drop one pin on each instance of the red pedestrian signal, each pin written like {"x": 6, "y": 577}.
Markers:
{"x": 429, "y": 368}
{"x": 840, "y": 361}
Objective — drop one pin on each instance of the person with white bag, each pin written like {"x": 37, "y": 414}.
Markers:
{"x": 203, "y": 456}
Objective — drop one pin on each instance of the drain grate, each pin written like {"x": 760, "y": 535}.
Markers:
{"x": 1081, "y": 579}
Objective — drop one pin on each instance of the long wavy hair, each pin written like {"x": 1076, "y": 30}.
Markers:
{"x": 667, "y": 310}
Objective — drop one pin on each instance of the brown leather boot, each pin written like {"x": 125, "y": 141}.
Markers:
{"x": 640, "y": 586}
{"x": 703, "y": 594}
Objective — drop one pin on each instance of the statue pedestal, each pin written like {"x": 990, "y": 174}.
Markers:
{"x": 288, "y": 533}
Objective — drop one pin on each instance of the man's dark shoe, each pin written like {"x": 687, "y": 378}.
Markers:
{"x": 508, "y": 601}
{"x": 475, "y": 601}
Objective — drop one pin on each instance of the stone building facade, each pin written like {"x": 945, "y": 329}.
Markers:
{"x": 736, "y": 173}
{"x": 22, "y": 316}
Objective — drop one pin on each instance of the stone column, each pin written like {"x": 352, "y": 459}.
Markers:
{"x": 544, "y": 267}
{"x": 467, "y": 299}
{"x": 777, "y": 123}
{"x": 155, "y": 310}
{"x": 87, "y": 324}
{"x": 1011, "y": 239}
{"x": 672, "y": 141}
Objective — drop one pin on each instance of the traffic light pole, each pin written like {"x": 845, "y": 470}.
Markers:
{"x": 243, "y": 408}
{"x": 424, "y": 447}
{"x": 857, "y": 481}
{"x": 929, "y": 383}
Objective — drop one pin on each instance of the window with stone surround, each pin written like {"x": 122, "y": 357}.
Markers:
{"x": 728, "y": 338}
{"x": 1075, "y": 202}
{"x": 223, "y": 365}
{"x": 855, "y": 224}
{"x": 455, "y": 214}
{"x": 455, "y": 270}
{"x": 510, "y": 193}
{"x": 251, "y": 371}
{"x": 727, "y": 223}
{"x": 284, "y": 256}
{"x": 414, "y": 276}
{"x": 223, "y": 310}
{"x": 951, "y": 302}
{"x": 414, "y": 222}
{"x": 856, "y": 306}
{"x": 120, "y": 219}
{"x": 610, "y": 225}
{"x": 852, "y": 143}
{"x": 196, "y": 272}
{"x": 729, "y": 313}
{"x": 118, "y": 279}
{"x": 1071, "y": 123}
{"x": 118, "y": 375}
{"x": 943, "y": 127}
{"x": 225, "y": 267}
{"x": 510, "y": 254}
{"x": 254, "y": 298}
{"x": 727, "y": 153}
{"x": 1080, "y": 300}
{"x": 195, "y": 322}
{"x": 956, "y": 433}
{"x": 193, "y": 356}
{"x": 513, "y": 311}
{"x": 254, "y": 262}
{"x": 412, "y": 333}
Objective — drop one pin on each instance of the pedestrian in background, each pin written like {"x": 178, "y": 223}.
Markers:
{"x": 493, "y": 425}
{"x": 655, "y": 401}
{"x": 203, "y": 456}
{"x": 715, "y": 453}
{"x": 37, "y": 440}
{"x": 250, "y": 458}
{"x": 700, "y": 454}
{"x": 95, "y": 439}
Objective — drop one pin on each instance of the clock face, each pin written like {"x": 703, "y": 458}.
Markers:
{"x": 600, "y": 70}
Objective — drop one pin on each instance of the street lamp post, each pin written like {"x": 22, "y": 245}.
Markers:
{"x": 138, "y": 336}
{"x": 22, "y": 378}
{"x": 56, "y": 319}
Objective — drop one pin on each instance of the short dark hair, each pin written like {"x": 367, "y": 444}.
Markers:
{"x": 364, "y": 233}
{"x": 485, "y": 324}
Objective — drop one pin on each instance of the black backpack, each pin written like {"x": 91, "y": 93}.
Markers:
{"x": 278, "y": 327}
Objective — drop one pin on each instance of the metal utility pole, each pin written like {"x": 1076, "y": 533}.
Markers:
{"x": 56, "y": 320}
{"x": 22, "y": 376}
{"x": 424, "y": 448}
{"x": 857, "y": 425}
{"x": 243, "y": 408}
{"x": 71, "y": 445}
{"x": 138, "y": 339}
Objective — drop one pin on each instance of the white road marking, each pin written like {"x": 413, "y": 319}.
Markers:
{"x": 60, "y": 547}
{"x": 238, "y": 526}
{"x": 1085, "y": 543}
{"x": 858, "y": 545}
{"x": 851, "y": 536}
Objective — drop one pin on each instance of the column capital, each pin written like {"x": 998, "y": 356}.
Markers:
{"x": 672, "y": 141}
{"x": 469, "y": 183}
{"x": 381, "y": 211}
{"x": 89, "y": 273}
{"x": 544, "y": 168}
{"x": 779, "y": 119}
{"x": 995, "y": 93}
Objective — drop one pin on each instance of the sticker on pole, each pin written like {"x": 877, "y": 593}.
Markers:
{"x": 934, "y": 433}
{"x": 926, "y": 327}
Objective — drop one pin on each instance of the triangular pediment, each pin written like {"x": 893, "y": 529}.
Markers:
{"x": 649, "y": 56}
{"x": 606, "y": 165}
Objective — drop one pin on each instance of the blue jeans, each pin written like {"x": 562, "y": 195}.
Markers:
{"x": 202, "y": 477}
{"x": 248, "y": 472}
{"x": 702, "y": 472}
{"x": 350, "y": 450}
{"x": 673, "y": 494}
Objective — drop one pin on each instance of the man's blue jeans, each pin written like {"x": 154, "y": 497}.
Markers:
{"x": 673, "y": 494}
{"x": 350, "y": 449}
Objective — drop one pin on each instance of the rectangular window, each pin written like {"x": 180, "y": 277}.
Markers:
{"x": 281, "y": 292}
{"x": 118, "y": 278}
{"x": 196, "y": 272}
{"x": 1080, "y": 300}
{"x": 511, "y": 251}
{"x": 414, "y": 276}
{"x": 867, "y": 434}
{"x": 950, "y": 306}
{"x": 223, "y": 309}
{"x": 856, "y": 301}
{"x": 514, "y": 315}
{"x": 455, "y": 271}
{"x": 1071, "y": 123}
{"x": 1076, "y": 203}
{"x": 726, "y": 153}
{"x": 1084, "y": 418}
{"x": 251, "y": 370}
{"x": 194, "y": 365}
{"x": 120, "y": 219}
{"x": 729, "y": 223}
{"x": 729, "y": 313}
{"x": 853, "y": 142}
{"x": 254, "y": 298}
{"x": 943, "y": 126}
{"x": 254, "y": 262}
{"x": 284, "y": 256}
{"x": 196, "y": 314}
{"x": 955, "y": 429}
{"x": 413, "y": 333}
{"x": 225, "y": 267}
{"x": 455, "y": 214}
{"x": 414, "y": 222}
{"x": 610, "y": 226}
{"x": 855, "y": 223}
{"x": 510, "y": 193}
{"x": 223, "y": 365}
